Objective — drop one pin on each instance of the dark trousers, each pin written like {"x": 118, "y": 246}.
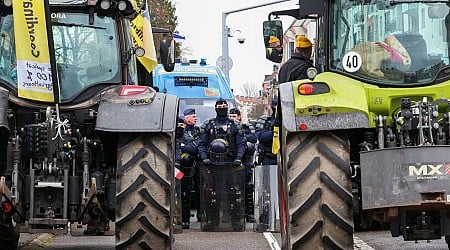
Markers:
{"x": 186, "y": 189}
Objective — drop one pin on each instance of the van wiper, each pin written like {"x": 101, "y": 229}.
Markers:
{"x": 77, "y": 25}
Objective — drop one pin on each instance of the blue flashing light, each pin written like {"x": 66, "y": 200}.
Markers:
{"x": 203, "y": 61}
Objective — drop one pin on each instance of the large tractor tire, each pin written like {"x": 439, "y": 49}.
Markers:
{"x": 144, "y": 191}
{"x": 315, "y": 191}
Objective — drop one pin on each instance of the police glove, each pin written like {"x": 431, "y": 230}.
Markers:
{"x": 237, "y": 165}
{"x": 207, "y": 162}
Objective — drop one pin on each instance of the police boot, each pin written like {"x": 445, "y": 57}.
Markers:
{"x": 236, "y": 209}
{"x": 186, "y": 211}
{"x": 212, "y": 218}
{"x": 249, "y": 208}
{"x": 211, "y": 222}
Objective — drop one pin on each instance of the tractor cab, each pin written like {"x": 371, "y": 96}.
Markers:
{"x": 91, "y": 48}
{"x": 394, "y": 43}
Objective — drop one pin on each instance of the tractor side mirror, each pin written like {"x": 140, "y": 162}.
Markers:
{"x": 273, "y": 40}
{"x": 167, "y": 54}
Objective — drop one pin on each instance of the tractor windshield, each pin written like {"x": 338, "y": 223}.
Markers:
{"x": 85, "y": 54}
{"x": 393, "y": 42}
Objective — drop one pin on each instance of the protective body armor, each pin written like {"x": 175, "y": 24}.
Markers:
{"x": 221, "y": 136}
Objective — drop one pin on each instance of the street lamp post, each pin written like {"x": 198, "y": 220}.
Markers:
{"x": 226, "y": 34}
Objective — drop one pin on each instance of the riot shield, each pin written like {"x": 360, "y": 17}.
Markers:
{"x": 267, "y": 217}
{"x": 222, "y": 198}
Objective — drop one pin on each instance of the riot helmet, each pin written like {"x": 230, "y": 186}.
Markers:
{"x": 187, "y": 160}
{"x": 218, "y": 150}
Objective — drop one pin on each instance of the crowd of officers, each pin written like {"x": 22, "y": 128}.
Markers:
{"x": 204, "y": 153}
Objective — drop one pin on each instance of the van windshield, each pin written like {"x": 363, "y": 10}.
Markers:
{"x": 204, "y": 108}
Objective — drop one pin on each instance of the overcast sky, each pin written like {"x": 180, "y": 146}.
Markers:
{"x": 200, "y": 21}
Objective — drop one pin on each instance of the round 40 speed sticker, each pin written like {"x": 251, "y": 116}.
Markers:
{"x": 352, "y": 61}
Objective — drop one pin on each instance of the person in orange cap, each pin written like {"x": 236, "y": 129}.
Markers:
{"x": 274, "y": 52}
{"x": 295, "y": 68}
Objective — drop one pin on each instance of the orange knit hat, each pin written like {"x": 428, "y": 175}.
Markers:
{"x": 302, "y": 42}
{"x": 273, "y": 39}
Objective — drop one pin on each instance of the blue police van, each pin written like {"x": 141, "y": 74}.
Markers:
{"x": 197, "y": 85}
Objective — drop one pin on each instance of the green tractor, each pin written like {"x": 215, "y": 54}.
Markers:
{"x": 103, "y": 150}
{"x": 366, "y": 139}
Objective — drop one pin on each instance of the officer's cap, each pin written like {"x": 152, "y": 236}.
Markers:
{"x": 235, "y": 111}
{"x": 189, "y": 112}
{"x": 221, "y": 101}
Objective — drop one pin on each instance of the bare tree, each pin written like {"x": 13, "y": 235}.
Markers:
{"x": 250, "y": 90}
{"x": 256, "y": 112}
{"x": 162, "y": 15}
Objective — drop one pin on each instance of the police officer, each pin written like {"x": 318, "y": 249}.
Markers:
{"x": 221, "y": 142}
{"x": 264, "y": 132}
{"x": 186, "y": 151}
{"x": 274, "y": 52}
{"x": 296, "y": 67}
{"x": 177, "y": 218}
{"x": 189, "y": 144}
{"x": 250, "y": 136}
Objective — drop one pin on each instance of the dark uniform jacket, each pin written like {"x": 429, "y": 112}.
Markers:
{"x": 188, "y": 143}
{"x": 264, "y": 132}
{"x": 191, "y": 133}
{"x": 294, "y": 69}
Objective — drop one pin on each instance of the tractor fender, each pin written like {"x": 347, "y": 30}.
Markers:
{"x": 286, "y": 100}
{"x": 145, "y": 112}
{"x": 333, "y": 110}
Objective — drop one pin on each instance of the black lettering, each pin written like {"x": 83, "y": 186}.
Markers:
{"x": 32, "y": 21}
{"x": 35, "y": 53}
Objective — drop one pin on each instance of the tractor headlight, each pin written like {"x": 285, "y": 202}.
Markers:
{"x": 311, "y": 72}
{"x": 7, "y": 3}
{"x": 122, "y": 5}
{"x": 105, "y": 4}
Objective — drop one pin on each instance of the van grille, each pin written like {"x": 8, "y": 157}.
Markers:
{"x": 191, "y": 81}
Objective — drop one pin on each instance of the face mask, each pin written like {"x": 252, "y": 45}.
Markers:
{"x": 180, "y": 132}
{"x": 222, "y": 112}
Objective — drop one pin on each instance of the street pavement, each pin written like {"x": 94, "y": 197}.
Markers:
{"x": 194, "y": 239}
